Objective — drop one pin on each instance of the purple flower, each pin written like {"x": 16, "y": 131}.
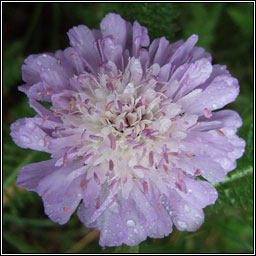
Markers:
{"x": 129, "y": 130}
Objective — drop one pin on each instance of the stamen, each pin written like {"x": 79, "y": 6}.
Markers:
{"x": 197, "y": 172}
{"x": 48, "y": 91}
{"x": 97, "y": 206}
{"x": 159, "y": 204}
{"x": 145, "y": 186}
{"x": 139, "y": 145}
{"x": 144, "y": 101}
{"x": 166, "y": 169}
{"x": 120, "y": 106}
{"x": 139, "y": 167}
{"x": 94, "y": 137}
{"x": 83, "y": 183}
{"x": 46, "y": 137}
{"x": 220, "y": 132}
{"x": 86, "y": 101}
{"x": 121, "y": 127}
{"x": 207, "y": 113}
{"x": 96, "y": 178}
{"x": 112, "y": 184}
{"x": 180, "y": 175}
{"x": 44, "y": 119}
{"x": 55, "y": 112}
{"x": 83, "y": 136}
{"x": 72, "y": 103}
{"x": 90, "y": 110}
{"x": 109, "y": 105}
{"x": 65, "y": 159}
{"x": 178, "y": 186}
{"x": 66, "y": 209}
{"x": 193, "y": 126}
{"x": 151, "y": 159}
{"x": 112, "y": 141}
{"x": 166, "y": 157}
{"x": 38, "y": 92}
{"x": 110, "y": 165}
{"x": 148, "y": 132}
{"x": 86, "y": 157}
{"x": 190, "y": 155}
{"x": 110, "y": 87}
{"x": 131, "y": 141}
{"x": 143, "y": 154}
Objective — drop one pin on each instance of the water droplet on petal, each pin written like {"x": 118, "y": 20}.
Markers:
{"x": 25, "y": 138}
{"x": 182, "y": 224}
{"x": 130, "y": 223}
{"x": 39, "y": 62}
{"x": 186, "y": 208}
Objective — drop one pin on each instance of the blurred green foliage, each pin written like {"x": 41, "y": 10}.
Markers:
{"x": 224, "y": 29}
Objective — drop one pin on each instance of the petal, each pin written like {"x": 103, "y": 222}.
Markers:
{"x": 114, "y": 25}
{"x": 26, "y": 133}
{"x": 61, "y": 192}
{"x": 196, "y": 74}
{"x": 220, "y": 119}
{"x": 159, "y": 52}
{"x": 30, "y": 175}
{"x": 183, "y": 51}
{"x": 221, "y": 91}
{"x": 200, "y": 193}
{"x": 112, "y": 51}
{"x": 136, "y": 71}
{"x": 139, "y": 38}
{"x": 82, "y": 40}
{"x": 184, "y": 215}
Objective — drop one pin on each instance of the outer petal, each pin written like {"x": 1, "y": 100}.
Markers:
{"x": 61, "y": 191}
{"x": 26, "y": 133}
{"x": 30, "y": 175}
{"x": 186, "y": 207}
{"x": 221, "y": 91}
{"x": 196, "y": 74}
{"x": 181, "y": 54}
{"x": 139, "y": 38}
{"x": 82, "y": 40}
{"x": 219, "y": 119}
{"x": 59, "y": 187}
{"x": 114, "y": 25}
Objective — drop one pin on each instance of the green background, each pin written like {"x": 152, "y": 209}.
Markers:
{"x": 224, "y": 29}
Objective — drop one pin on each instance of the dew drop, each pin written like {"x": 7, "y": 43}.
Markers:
{"x": 182, "y": 224}
{"x": 130, "y": 223}
{"x": 39, "y": 62}
{"x": 186, "y": 208}
{"x": 41, "y": 143}
{"x": 135, "y": 231}
{"x": 30, "y": 125}
{"x": 25, "y": 138}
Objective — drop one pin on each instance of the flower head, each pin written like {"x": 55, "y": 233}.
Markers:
{"x": 129, "y": 130}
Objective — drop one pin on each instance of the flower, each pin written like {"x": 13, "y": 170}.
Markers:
{"x": 129, "y": 131}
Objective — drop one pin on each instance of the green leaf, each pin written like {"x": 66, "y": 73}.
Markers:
{"x": 12, "y": 59}
{"x": 28, "y": 221}
{"x": 20, "y": 244}
{"x": 243, "y": 18}
{"x": 122, "y": 249}
{"x": 203, "y": 22}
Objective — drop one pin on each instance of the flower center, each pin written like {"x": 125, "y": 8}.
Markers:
{"x": 121, "y": 119}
